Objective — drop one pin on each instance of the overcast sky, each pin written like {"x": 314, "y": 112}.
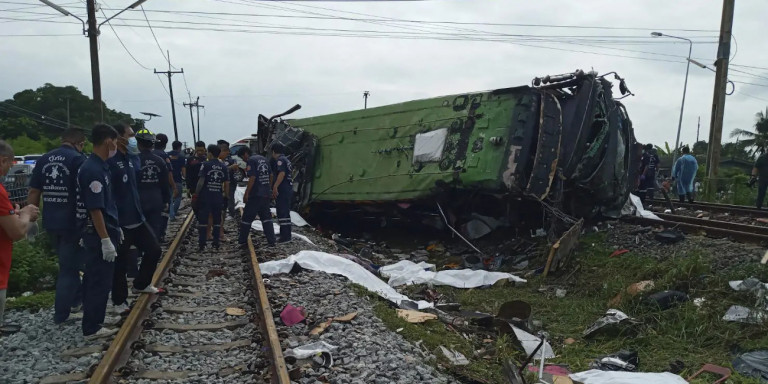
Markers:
{"x": 238, "y": 75}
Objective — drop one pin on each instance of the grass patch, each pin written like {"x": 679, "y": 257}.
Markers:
{"x": 33, "y": 302}
{"x": 691, "y": 334}
{"x": 33, "y": 266}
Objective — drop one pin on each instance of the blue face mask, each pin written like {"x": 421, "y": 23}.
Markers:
{"x": 133, "y": 146}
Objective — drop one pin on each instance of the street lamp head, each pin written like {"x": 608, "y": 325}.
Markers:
{"x": 56, "y": 7}
{"x": 657, "y": 34}
{"x": 136, "y": 4}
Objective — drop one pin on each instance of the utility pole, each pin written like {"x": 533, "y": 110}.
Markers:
{"x": 197, "y": 105}
{"x": 67, "y": 112}
{"x": 698, "y": 128}
{"x": 170, "y": 73}
{"x": 718, "y": 100}
{"x": 198, "y": 116}
{"x": 93, "y": 40}
{"x": 192, "y": 119}
{"x": 365, "y": 96}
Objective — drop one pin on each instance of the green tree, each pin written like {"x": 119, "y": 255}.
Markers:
{"x": 756, "y": 141}
{"x": 42, "y": 113}
{"x": 700, "y": 148}
{"x": 666, "y": 151}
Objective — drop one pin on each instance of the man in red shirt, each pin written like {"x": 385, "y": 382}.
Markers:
{"x": 14, "y": 224}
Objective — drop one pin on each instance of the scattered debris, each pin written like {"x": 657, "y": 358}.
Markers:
{"x": 569, "y": 341}
{"x": 321, "y": 327}
{"x": 346, "y": 318}
{"x": 323, "y": 359}
{"x": 620, "y": 361}
{"x": 752, "y": 364}
{"x": 552, "y": 369}
{"x": 616, "y": 377}
{"x": 305, "y": 351}
{"x": 293, "y": 315}
{"x": 669, "y": 236}
{"x": 619, "y": 252}
{"x": 631, "y": 291}
{"x": 456, "y": 358}
{"x": 667, "y": 299}
{"x": 232, "y": 311}
{"x": 749, "y": 284}
{"x": 560, "y": 293}
{"x": 415, "y": 316}
{"x": 724, "y": 373}
{"x": 406, "y": 272}
{"x": 612, "y": 317}
{"x": 517, "y": 313}
{"x": 741, "y": 314}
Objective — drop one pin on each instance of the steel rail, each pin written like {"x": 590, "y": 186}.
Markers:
{"x": 275, "y": 351}
{"x": 717, "y": 207}
{"x": 119, "y": 351}
{"x": 700, "y": 226}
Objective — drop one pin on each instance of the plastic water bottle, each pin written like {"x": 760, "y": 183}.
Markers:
{"x": 32, "y": 232}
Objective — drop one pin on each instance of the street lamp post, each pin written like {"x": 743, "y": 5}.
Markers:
{"x": 685, "y": 88}
{"x": 92, "y": 31}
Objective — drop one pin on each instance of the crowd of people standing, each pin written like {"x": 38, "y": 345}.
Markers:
{"x": 100, "y": 207}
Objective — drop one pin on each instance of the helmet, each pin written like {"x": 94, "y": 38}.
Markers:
{"x": 145, "y": 135}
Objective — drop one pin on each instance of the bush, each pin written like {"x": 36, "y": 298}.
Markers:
{"x": 33, "y": 266}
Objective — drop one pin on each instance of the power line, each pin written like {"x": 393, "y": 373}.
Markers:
{"x": 41, "y": 35}
{"x": 8, "y": 104}
{"x": 155, "y": 37}
{"x": 753, "y": 97}
{"x": 121, "y": 43}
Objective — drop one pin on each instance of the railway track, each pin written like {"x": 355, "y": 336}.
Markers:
{"x": 744, "y": 233}
{"x": 717, "y": 208}
{"x": 214, "y": 325}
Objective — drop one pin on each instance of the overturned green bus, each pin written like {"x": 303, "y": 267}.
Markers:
{"x": 563, "y": 141}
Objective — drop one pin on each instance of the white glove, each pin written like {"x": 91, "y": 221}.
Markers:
{"x": 122, "y": 235}
{"x": 108, "y": 250}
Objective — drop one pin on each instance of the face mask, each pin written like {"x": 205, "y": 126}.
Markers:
{"x": 133, "y": 146}
{"x": 112, "y": 152}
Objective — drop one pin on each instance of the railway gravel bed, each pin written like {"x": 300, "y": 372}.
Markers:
{"x": 40, "y": 349}
{"x": 641, "y": 242}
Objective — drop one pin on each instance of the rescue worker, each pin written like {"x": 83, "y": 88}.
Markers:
{"x": 54, "y": 177}
{"x": 256, "y": 198}
{"x": 193, "y": 167}
{"x": 14, "y": 224}
{"x": 136, "y": 231}
{"x": 282, "y": 190}
{"x": 212, "y": 184}
{"x": 648, "y": 166}
{"x": 178, "y": 171}
{"x": 684, "y": 171}
{"x": 154, "y": 191}
{"x": 97, "y": 215}
{"x": 232, "y": 168}
{"x": 760, "y": 175}
{"x": 161, "y": 141}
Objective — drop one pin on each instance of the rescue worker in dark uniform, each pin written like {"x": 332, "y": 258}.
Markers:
{"x": 257, "y": 197}
{"x": 55, "y": 178}
{"x": 193, "y": 170}
{"x": 154, "y": 191}
{"x": 161, "y": 141}
{"x": 282, "y": 190}
{"x": 232, "y": 167}
{"x": 136, "y": 230}
{"x": 178, "y": 170}
{"x": 648, "y": 166}
{"x": 212, "y": 184}
{"x": 97, "y": 216}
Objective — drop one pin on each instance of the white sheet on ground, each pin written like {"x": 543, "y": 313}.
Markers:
{"x": 296, "y": 219}
{"x": 326, "y": 262}
{"x": 310, "y": 350}
{"x": 603, "y": 377}
{"x": 257, "y": 226}
{"x": 406, "y": 272}
{"x": 639, "y": 210}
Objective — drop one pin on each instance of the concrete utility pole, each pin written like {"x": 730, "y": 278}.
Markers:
{"x": 192, "y": 119}
{"x": 93, "y": 38}
{"x": 718, "y": 100}
{"x": 698, "y": 128}
{"x": 365, "y": 96}
{"x": 197, "y": 105}
{"x": 170, "y": 73}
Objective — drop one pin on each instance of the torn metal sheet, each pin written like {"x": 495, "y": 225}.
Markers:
{"x": 612, "y": 317}
{"x": 563, "y": 248}
{"x": 741, "y": 314}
